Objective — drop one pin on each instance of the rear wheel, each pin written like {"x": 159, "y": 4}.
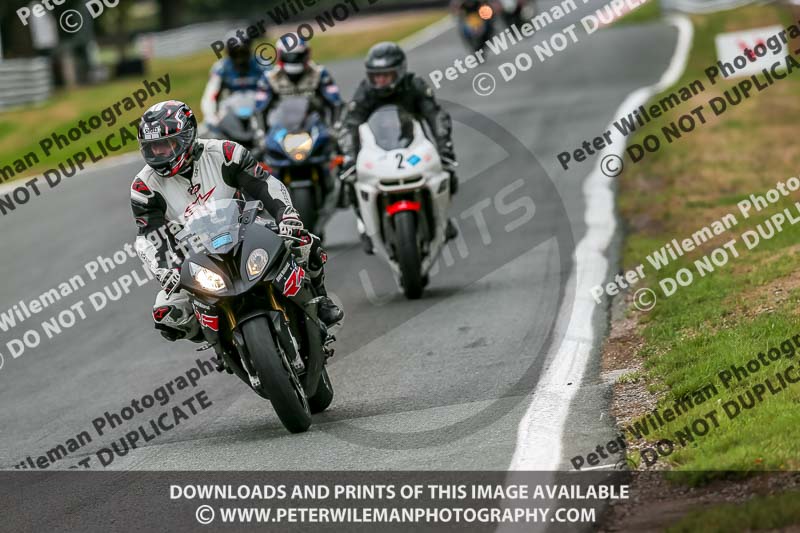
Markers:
{"x": 303, "y": 200}
{"x": 407, "y": 249}
{"x": 278, "y": 379}
{"x": 324, "y": 395}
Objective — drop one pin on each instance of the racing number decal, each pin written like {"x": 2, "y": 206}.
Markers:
{"x": 399, "y": 158}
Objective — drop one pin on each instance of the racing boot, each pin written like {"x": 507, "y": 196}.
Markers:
{"x": 453, "y": 184}
{"x": 366, "y": 242}
{"x": 328, "y": 312}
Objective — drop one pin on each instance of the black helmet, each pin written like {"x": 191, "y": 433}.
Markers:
{"x": 167, "y": 137}
{"x": 239, "y": 50}
{"x": 386, "y": 67}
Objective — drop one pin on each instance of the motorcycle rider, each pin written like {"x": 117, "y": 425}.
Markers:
{"x": 466, "y": 6}
{"x": 389, "y": 82}
{"x": 184, "y": 172}
{"x": 515, "y": 11}
{"x": 239, "y": 71}
{"x": 511, "y": 10}
{"x": 297, "y": 75}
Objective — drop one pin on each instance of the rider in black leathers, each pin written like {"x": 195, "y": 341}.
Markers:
{"x": 388, "y": 82}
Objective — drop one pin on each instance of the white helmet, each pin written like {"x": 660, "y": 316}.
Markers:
{"x": 293, "y": 54}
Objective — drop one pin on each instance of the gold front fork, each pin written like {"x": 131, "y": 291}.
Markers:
{"x": 231, "y": 317}
{"x": 274, "y": 302}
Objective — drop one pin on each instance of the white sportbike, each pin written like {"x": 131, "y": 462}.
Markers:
{"x": 403, "y": 195}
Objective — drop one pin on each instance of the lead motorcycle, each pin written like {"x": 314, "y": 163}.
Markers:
{"x": 256, "y": 308}
{"x": 403, "y": 193}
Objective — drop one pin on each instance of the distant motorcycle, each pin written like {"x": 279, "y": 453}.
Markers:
{"x": 298, "y": 152}
{"x": 403, "y": 194}
{"x": 256, "y": 307}
{"x": 517, "y": 12}
{"x": 238, "y": 123}
{"x": 476, "y": 23}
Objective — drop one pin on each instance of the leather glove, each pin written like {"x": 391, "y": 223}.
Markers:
{"x": 290, "y": 223}
{"x": 169, "y": 278}
{"x": 302, "y": 249}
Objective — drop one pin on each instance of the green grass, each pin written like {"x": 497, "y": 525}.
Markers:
{"x": 745, "y": 307}
{"x": 649, "y": 12}
{"x": 768, "y": 512}
{"x": 22, "y": 129}
{"x": 630, "y": 377}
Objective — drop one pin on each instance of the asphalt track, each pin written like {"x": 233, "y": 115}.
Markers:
{"x": 438, "y": 384}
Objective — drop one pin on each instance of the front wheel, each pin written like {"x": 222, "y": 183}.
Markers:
{"x": 408, "y": 257}
{"x": 278, "y": 379}
{"x": 303, "y": 200}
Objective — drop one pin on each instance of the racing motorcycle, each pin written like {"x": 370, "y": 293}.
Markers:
{"x": 238, "y": 123}
{"x": 298, "y": 147}
{"x": 256, "y": 307}
{"x": 476, "y": 23}
{"x": 403, "y": 195}
{"x": 517, "y": 12}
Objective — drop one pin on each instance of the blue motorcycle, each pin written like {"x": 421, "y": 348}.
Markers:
{"x": 298, "y": 152}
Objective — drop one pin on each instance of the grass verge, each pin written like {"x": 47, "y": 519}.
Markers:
{"x": 21, "y": 130}
{"x": 744, "y": 307}
{"x": 769, "y": 512}
{"x": 649, "y": 12}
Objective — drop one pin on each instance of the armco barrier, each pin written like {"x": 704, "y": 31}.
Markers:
{"x": 705, "y": 6}
{"x": 24, "y": 81}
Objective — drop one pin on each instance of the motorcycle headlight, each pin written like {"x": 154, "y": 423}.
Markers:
{"x": 257, "y": 262}
{"x": 298, "y": 145}
{"x": 207, "y": 279}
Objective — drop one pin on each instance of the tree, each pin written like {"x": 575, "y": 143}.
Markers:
{"x": 170, "y": 13}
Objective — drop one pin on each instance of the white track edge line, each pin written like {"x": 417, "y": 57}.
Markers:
{"x": 541, "y": 429}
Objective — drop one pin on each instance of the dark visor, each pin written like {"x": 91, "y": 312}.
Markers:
{"x": 294, "y": 57}
{"x": 166, "y": 149}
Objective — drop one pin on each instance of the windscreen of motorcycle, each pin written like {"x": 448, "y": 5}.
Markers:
{"x": 290, "y": 113}
{"x": 392, "y": 127}
{"x": 238, "y": 110}
{"x": 214, "y": 226}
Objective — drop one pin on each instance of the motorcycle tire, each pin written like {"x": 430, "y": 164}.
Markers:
{"x": 324, "y": 395}
{"x": 277, "y": 376}
{"x": 405, "y": 227}
{"x": 303, "y": 200}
